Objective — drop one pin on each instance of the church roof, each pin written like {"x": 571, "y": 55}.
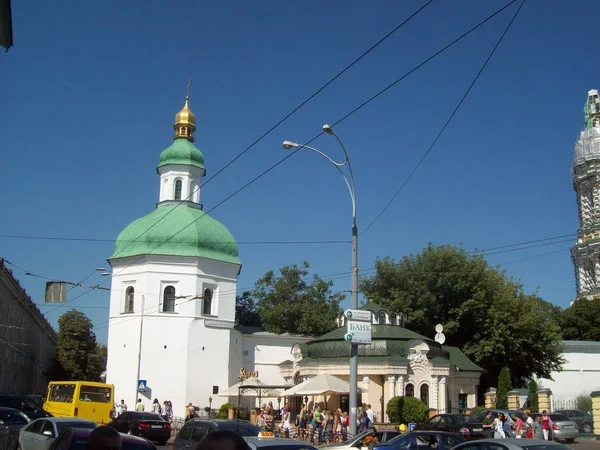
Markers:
{"x": 182, "y": 151}
{"x": 154, "y": 234}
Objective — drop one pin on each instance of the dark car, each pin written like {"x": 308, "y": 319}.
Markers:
{"x": 424, "y": 440}
{"x": 454, "y": 423}
{"x": 77, "y": 438}
{"x": 148, "y": 425}
{"x": 511, "y": 444}
{"x": 194, "y": 430}
{"x": 365, "y": 439}
{"x": 24, "y": 404}
{"x": 11, "y": 422}
{"x": 584, "y": 420}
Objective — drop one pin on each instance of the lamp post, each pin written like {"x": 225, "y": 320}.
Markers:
{"x": 354, "y": 285}
{"x": 209, "y": 406}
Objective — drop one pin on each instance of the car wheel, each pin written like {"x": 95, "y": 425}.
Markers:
{"x": 569, "y": 441}
{"x": 587, "y": 428}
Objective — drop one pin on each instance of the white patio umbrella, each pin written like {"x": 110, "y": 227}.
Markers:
{"x": 251, "y": 387}
{"x": 322, "y": 384}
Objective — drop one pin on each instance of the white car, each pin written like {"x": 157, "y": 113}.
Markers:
{"x": 40, "y": 433}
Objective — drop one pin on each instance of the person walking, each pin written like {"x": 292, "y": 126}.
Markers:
{"x": 546, "y": 424}
{"x": 140, "y": 406}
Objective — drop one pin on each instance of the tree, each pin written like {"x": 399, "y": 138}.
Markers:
{"x": 504, "y": 387}
{"x": 406, "y": 410}
{"x": 79, "y": 357}
{"x": 484, "y": 313}
{"x": 289, "y": 304}
{"x": 246, "y": 313}
{"x": 532, "y": 398}
{"x": 581, "y": 321}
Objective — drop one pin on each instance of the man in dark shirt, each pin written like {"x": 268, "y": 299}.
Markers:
{"x": 488, "y": 423}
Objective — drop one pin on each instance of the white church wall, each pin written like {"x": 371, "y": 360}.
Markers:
{"x": 580, "y": 374}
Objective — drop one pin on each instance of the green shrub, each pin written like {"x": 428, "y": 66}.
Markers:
{"x": 478, "y": 409}
{"x": 504, "y": 387}
{"x": 532, "y": 398}
{"x": 406, "y": 410}
{"x": 224, "y": 410}
{"x": 584, "y": 402}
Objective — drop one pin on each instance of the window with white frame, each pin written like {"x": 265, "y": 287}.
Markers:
{"x": 129, "y": 299}
{"x": 178, "y": 187}
{"x": 168, "y": 304}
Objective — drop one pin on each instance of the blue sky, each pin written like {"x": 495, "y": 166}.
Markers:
{"x": 90, "y": 89}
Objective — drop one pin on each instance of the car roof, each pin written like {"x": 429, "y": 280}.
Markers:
{"x": 7, "y": 409}
{"x": 125, "y": 437}
{"x": 520, "y": 442}
{"x": 65, "y": 419}
{"x": 279, "y": 442}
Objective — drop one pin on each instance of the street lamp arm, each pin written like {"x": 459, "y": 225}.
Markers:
{"x": 339, "y": 166}
{"x": 353, "y": 194}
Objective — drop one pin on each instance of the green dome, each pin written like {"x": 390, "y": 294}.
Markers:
{"x": 182, "y": 151}
{"x": 205, "y": 237}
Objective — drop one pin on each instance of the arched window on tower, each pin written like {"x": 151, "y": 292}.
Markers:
{"x": 409, "y": 391}
{"x": 169, "y": 299}
{"x": 178, "y": 185}
{"x": 381, "y": 318}
{"x": 207, "y": 302}
{"x": 425, "y": 394}
{"x": 129, "y": 296}
{"x": 393, "y": 319}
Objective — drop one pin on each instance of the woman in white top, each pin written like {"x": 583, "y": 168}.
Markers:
{"x": 286, "y": 423}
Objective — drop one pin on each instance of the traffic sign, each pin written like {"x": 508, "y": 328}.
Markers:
{"x": 358, "y": 332}
{"x": 142, "y": 385}
{"x": 358, "y": 314}
{"x": 411, "y": 426}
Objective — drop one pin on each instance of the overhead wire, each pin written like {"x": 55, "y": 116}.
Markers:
{"x": 105, "y": 324}
{"x": 286, "y": 117}
{"x": 292, "y": 153}
{"x": 489, "y": 57}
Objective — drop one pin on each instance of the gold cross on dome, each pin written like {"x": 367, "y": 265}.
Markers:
{"x": 187, "y": 89}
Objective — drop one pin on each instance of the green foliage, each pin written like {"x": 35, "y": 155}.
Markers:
{"x": 289, "y": 304}
{"x": 246, "y": 313}
{"x": 584, "y": 402}
{"x": 79, "y": 356}
{"x": 478, "y": 409}
{"x": 484, "y": 313}
{"x": 224, "y": 410}
{"x": 504, "y": 387}
{"x": 532, "y": 398}
{"x": 581, "y": 321}
{"x": 243, "y": 414}
{"x": 406, "y": 410}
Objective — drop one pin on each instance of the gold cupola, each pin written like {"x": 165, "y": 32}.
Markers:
{"x": 185, "y": 121}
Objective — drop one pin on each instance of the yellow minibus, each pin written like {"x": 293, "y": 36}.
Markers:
{"x": 81, "y": 399}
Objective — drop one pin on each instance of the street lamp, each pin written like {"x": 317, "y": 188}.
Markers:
{"x": 353, "y": 400}
{"x": 209, "y": 406}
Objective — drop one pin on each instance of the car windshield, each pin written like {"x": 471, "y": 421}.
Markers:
{"x": 78, "y": 424}
{"x": 395, "y": 439}
{"x": 559, "y": 418}
{"x": 243, "y": 429}
{"x": 10, "y": 418}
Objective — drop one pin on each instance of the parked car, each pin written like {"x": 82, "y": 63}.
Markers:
{"x": 563, "y": 428}
{"x": 27, "y": 406}
{"x": 511, "y": 444}
{"x": 584, "y": 420}
{"x": 362, "y": 439}
{"x": 77, "y": 438}
{"x": 257, "y": 443}
{"x": 40, "y": 433}
{"x": 194, "y": 430}
{"x": 147, "y": 425}
{"x": 414, "y": 440}
{"x": 454, "y": 423}
{"x": 11, "y": 422}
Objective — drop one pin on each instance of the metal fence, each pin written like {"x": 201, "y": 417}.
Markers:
{"x": 571, "y": 404}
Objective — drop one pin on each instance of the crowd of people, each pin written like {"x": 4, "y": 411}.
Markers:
{"x": 502, "y": 427}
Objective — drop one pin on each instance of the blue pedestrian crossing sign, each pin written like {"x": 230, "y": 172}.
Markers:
{"x": 142, "y": 385}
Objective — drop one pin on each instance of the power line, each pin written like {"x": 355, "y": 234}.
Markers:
{"x": 335, "y": 123}
{"x": 447, "y": 121}
{"x": 83, "y": 239}
{"x": 270, "y": 130}
{"x": 126, "y": 319}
